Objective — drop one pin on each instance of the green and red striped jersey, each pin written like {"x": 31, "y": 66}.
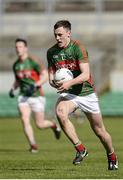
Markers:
{"x": 70, "y": 57}
{"x": 27, "y": 72}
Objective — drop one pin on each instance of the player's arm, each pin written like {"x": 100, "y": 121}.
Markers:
{"x": 51, "y": 70}
{"x": 51, "y": 77}
{"x": 43, "y": 79}
{"x": 33, "y": 87}
{"x": 82, "y": 56}
{"x": 84, "y": 76}
{"x": 40, "y": 67}
{"x": 13, "y": 88}
{"x": 15, "y": 85}
{"x": 43, "y": 75}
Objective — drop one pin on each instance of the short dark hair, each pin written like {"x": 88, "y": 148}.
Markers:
{"x": 63, "y": 23}
{"x": 21, "y": 40}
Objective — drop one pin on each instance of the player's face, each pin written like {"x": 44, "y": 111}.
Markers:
{"x": 62, "y": 36}
{"x": 21, "y": 49}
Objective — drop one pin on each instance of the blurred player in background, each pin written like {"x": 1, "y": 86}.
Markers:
{"x": 30, "y": 73}
{"x": 80, "y": 92}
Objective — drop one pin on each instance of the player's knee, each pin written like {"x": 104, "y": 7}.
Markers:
{"x": 40, "y": 125}
{"x": 61, "y": 114}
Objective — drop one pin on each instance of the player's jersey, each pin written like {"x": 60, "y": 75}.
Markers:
{"x": 27, "y": 72}
{"x": 70, "y": 57}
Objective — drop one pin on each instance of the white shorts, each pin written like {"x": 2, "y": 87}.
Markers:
{"x": 37, "y": 104}
{"x": 87, "y": 103}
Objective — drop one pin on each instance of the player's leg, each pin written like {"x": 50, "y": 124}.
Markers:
{"x": 63, "y": 109}
{"x": 43, "y": 123}
{"x": 38, "y": 107}
{"x": 98, "y": 127}
{"x": 25, "y": 118}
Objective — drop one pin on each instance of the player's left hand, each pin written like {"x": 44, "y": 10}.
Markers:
{"x": 64, "y": 87}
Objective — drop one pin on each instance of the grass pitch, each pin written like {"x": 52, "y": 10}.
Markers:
{"x": 54, "y": 160}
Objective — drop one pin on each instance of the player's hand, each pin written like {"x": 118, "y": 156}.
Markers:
{"x": 56, "y": 84}
{"x": 30, "y": 90}
{"x": 64, "y": 87}
{"x": 11, "y": 93}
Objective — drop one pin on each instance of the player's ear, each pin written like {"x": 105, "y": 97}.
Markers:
{"x": 69, "y": 34}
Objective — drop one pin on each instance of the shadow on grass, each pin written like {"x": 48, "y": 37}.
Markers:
{"x": 12, "y": 150}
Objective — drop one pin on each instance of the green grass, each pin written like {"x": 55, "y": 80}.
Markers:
{"x": 54, "y": 160}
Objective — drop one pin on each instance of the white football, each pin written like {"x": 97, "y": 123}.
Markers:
{"x": 63, "y": 74}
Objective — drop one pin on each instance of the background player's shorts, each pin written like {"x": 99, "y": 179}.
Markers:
{"x": 37, "y": 104}
{"x": 87, "y": 103}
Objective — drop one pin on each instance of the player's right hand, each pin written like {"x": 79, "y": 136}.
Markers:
{"x": 11, "y": 93}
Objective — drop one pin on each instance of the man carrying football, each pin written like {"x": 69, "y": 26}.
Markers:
{"x": 67, "y": 53}
{"x": 30, "y": 74}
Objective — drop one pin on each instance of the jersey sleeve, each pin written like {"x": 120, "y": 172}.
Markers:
{"x": 14, "y": 71}
{"x": 49, "y": 61}
{"x": 81, "y": 53}
{"x": 38, "y": 64}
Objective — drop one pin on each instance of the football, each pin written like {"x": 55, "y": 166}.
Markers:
{"x": 63, "y": 74}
